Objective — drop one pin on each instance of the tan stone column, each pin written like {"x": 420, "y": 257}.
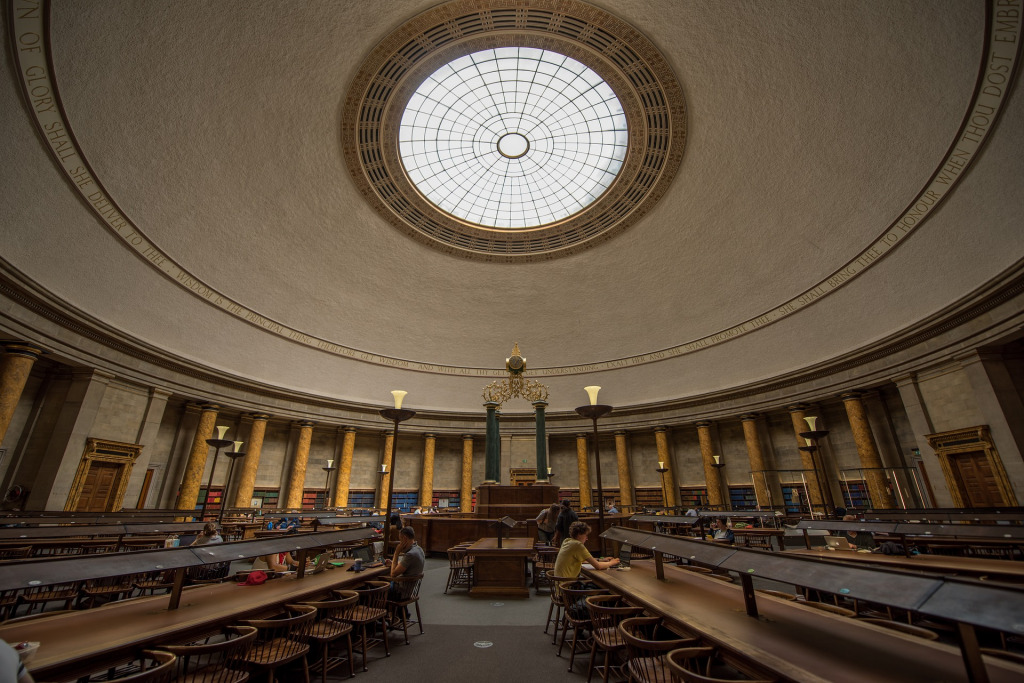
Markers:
{"x": 251, "y": 462}
{"x": 870, "y": 459}
{"x": 382, "y": 487}
{"x": 427, "y": 479}
{"x": 671, "y": 487}
{"x": 797, "y": 414}
{"x": 15, "y": 366}
{"x": 297, "y": 477}
{"x": 583, "y": 465}
{"x": 466, "y": 491}
{"x": 625, "y": 478}
{"x": 192, "y": 479}
{"x": 756, "y": 456}
{"x": 712, "y": 474}
{"x": 341, "y": 487}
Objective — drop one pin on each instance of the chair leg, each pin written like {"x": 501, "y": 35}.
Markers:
{"x": 323, "y": 666}
{"x": 405, "y": 627}
{"x": 351, "y": 664}
{"x": 565, "y": 629}
{"x": 384, "y": 636}
{"x": 590, "y": 667}
{"x": 364, "y": 648}
{"x": 551, "y": 607}
{"x": 419, "y": 619}
{"x": 305, "y": 669}
{"x": 572, "y": 653}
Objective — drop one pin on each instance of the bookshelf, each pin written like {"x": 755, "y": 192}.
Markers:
{"x": 693, "y": 497}
{"x": 268, "y": 498}
{"x": 794, "y": 503}
{"x": 314, "y": 499}
{"x": 452, "y": 496}
{"x": 742, "y": 498}
{"x": 360, "y": 499}
{"x": 212, "y": 501}
{"x": 649, "y": 498}
{"x": 857, "y": 497}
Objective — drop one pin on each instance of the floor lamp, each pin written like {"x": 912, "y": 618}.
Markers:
{"x": 234, "y": 455}
{"x": 218, "y": 443}
{"x": 594, "y": 411}
{"x": 396, "y": 415}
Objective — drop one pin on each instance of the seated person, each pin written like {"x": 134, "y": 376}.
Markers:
{"x": 858, "y": 539}
{"x": 208, "y": 535}
{"x": 611, "y": 509}
{"x": 281, "y": 523}
{"x": 720, "y": 531}
{"x": 408, "y": 561}
{"x": 574, "y": 553}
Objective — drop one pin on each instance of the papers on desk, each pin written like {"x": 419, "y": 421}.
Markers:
{"x": 587, "y": 565}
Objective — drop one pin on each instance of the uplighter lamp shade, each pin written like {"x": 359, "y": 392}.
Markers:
{"x": 718, "y": 459}
{"x": 221, "y": 431}
{"x": 238, "y": 446}
{"x": 808, "y": 442}
{"x": 330, "y": 463}
{"x": 811, "y": 422}
{"x": 592, "y": 392}
{"x": 399, "y": 395}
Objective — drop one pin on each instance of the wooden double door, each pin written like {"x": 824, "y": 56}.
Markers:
{"x": 975, "y": 480}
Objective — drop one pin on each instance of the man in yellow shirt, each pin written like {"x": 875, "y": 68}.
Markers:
{"x": 574, "y": 553}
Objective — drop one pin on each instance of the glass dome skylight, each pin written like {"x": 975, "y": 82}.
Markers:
{"x": 513, "y": 138}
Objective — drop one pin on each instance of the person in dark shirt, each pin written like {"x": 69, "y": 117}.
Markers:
{"x": 565, "y": 519}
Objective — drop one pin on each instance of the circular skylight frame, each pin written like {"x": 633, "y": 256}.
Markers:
{"x": 513, "y": 138}
{"x": 636, "y": 71}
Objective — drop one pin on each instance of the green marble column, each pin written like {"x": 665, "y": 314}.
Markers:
{"x": 492, "y": 450}
{"x": 542, "y": 444}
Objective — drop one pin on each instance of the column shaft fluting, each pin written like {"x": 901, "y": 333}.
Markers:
{"x": 870, "y": 458}
{"x": 625, "y": 478}
{"x": 297, "y": 477}
{"x": 756, "y": 456}
{"x": 583, "y": 465}
{"x": 341, "y": 487}
{"x": 251, "y": 462}
{"x": 192, "y": 479}
{"x": 427, "y": 480}
{"x": 466, "y": 490}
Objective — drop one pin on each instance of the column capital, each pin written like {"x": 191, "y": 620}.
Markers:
{"x": 660, "y": 429}
{"x": 703, "y": 423}
{"x": 581, "y": 435}
{"x": 201, "y": 407}
{"x": 902, "y": 380}
{"x": 429, "y": 436}
{"x": 620, "y": 432}
{"x": 749, "y": 417}
{"x": 467, "y": 437}
{"x": 159, "y": 392}
{"x": 491, "y": 405}
{"x": 797, "y": 407}
{"x": 21, "y": 348}
{"x": 347, "y": 429}
{"x": 257, "y": 416}
{"x": 852, "y": 395}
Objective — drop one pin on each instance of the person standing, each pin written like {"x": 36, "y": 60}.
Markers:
{"x": 565, "y": 519}
{"x": 546, "y": 521}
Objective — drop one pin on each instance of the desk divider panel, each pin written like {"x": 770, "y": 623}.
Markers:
{"x": 999, "y": 607}
{"x": 961, "y": 531}
{"x": 62, "y": 531}
{"x": 47, "y": 572}
{"x": 830, "y": 525}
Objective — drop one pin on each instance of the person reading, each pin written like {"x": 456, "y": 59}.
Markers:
{"x": 574, "y": 553}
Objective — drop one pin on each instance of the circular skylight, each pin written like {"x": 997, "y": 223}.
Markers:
{"x": 513, "y": 138}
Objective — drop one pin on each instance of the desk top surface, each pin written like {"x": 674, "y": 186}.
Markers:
{"x": 77, "y": 642}
{"x": 516, "y": 545}
{"x": 931, "y": 563}
{"x": 794, "y": 641}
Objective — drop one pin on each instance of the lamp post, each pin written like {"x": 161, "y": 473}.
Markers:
{"x": 396, "y": 415}
{"x": 594, "y": 411}
{"x": 327, "y": 485}
{"x": 811, "y": 439}
{"x": 234, "y": 455}
{"x": 722, "y": 489}
{"x": 218, "y": 443}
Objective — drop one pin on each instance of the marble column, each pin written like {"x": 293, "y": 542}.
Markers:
{"x": 625, "y": 478}
{"x": 757, "y": 464}
{"x": 492, "y": 445}
{"x": 542, "y": 442}
{"x": 671, "y": 487}
{"x": 251, "y": 461}
{"x": 15, "y": 365}
{"x": 466, "y": 490}
{"x": 814, "y": 489}
{"x": 341, "y": 487}
{"x": 427, "y": 479}
{"x": 583, "y": 465}
{"x": 192, "y": 479}
{"x": 297, "y": 476}
{"x": 712, "y": 474}
{"x": 382, "y": 490}
{"x": 870, "y": 459}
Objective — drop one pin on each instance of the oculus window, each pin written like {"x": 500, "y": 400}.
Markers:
{"x": 513, "y": 138}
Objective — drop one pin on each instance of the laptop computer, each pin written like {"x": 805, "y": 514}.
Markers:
{"x": 323, "y": 562}
{"x": 378, "y": 549}
{"x": 838, "y": 543}
{"x": 364, "y": 553}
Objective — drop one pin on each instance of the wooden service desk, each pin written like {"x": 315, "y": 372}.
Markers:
{"x": 500, "y": 571}
{"x": 76, "y": 643}
{"x": 794, "y": 642}
{"x": 1003, "y": 570}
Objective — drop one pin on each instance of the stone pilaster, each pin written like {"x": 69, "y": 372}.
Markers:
{"x": 712, "y": 474}
{"x": 466, "y": 491}
{"x": 671, "y": 487}
{"x": 583, "y": 465}
{"x": 625, "y": 478}
{"x": 192, "y": 479}
{"x": 15, "y": 366}
{"x": 797, "y": 414}
{"x": 251, "y": 461}
{"x": 427, "y": 479}
{"x": 341, "y": 487}
{"x": 870, "y": 459}
{"x": 757, "y": 464}
{"x": 382, "y": 490}
{"x": 297, "y": 476}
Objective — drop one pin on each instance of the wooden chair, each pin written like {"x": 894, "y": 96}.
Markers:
{"x": 66, "y": 592}
{"x": 98, "y": 591}
{"x": 825, "y": 607}
{"x": 557, "y": 603}
{"x": 695, "y": 569}
{"x": 8, "y": 602}
{"x": 694, "y": 664}
{"x": 369, "y": 610}
{"x": 279, "y": 641}
{"x": 152, "y": 582}
{"x": 153, "y": 666}
{"x": 460, "y": 569}
{"x": 407, "y": 592}
{"x": 606, "y": 612}
{"x": 18, "y": 553}
{"x": 777, "y": 594}
{"x": 647, "y": 643}
{"x": 543, "y": 564}
{"x": 574, "y": 618}
{"x": 331, "y": 625}
{"x": 209, "y": 662}
{"x": 208, "y": 573}
{"x": 902, "y": 627}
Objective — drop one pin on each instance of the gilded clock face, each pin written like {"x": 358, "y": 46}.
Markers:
{"x": 516, "y": 363}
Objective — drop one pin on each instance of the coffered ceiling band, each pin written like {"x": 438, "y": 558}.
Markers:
{"x": 29, "y": 37}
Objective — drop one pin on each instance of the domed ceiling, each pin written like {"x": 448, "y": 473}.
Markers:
{"x": 181, "y": 176}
